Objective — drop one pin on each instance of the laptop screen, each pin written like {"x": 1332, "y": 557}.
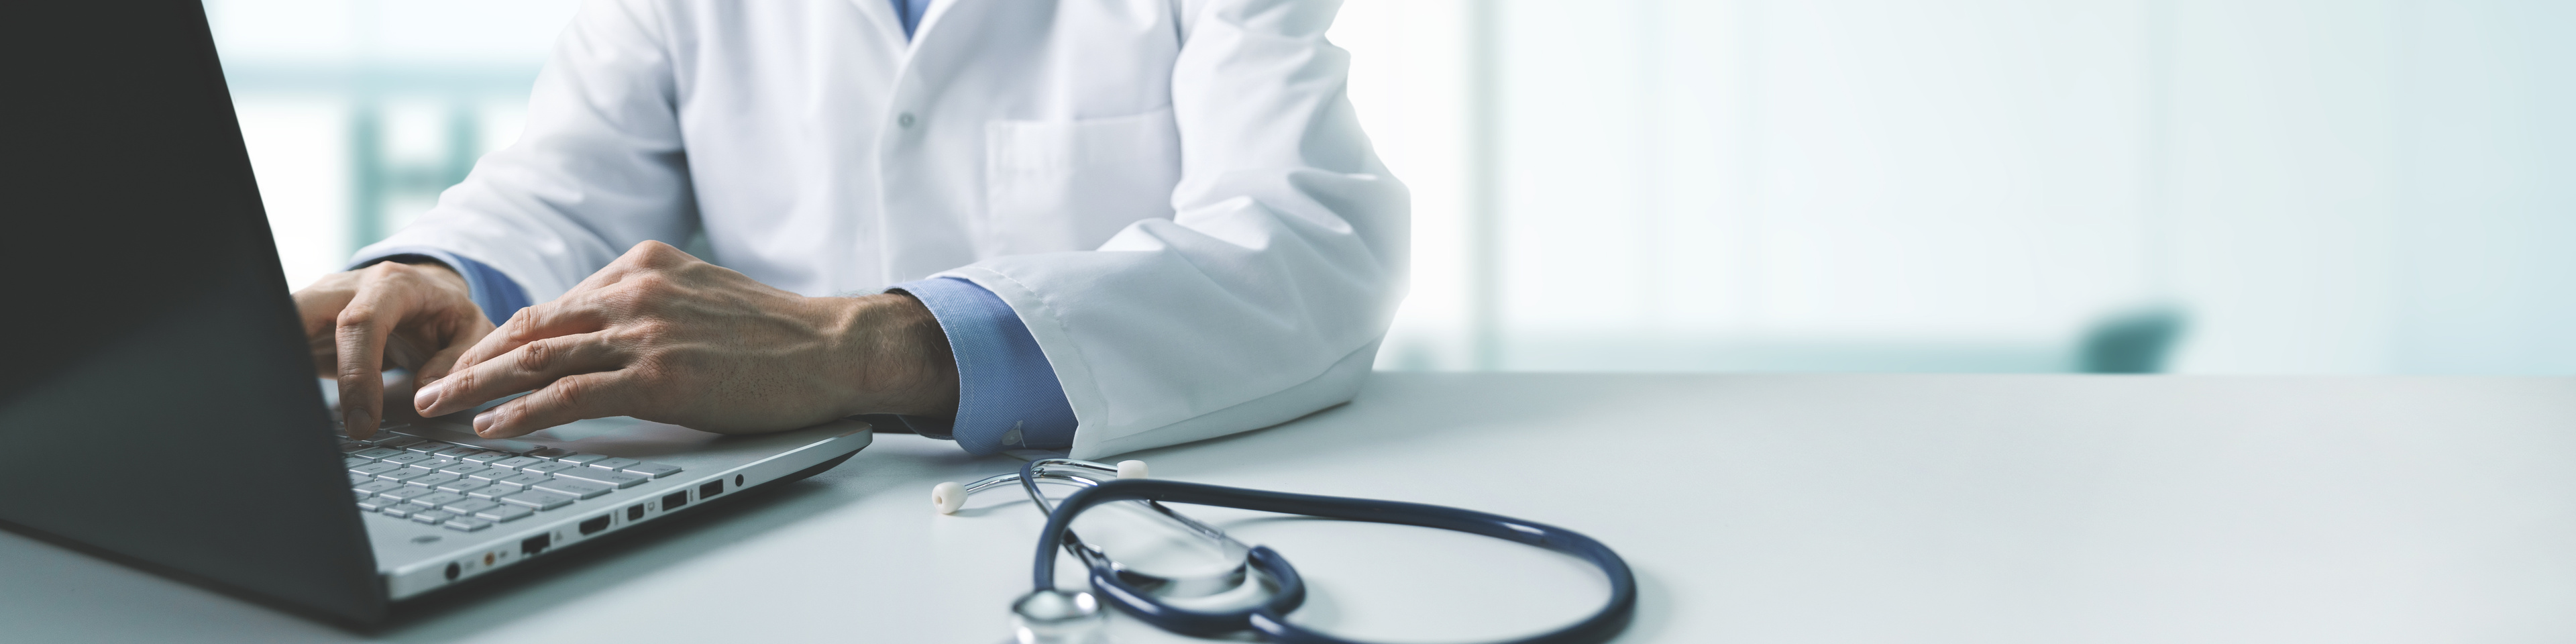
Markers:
{"x": 156, "y": 403}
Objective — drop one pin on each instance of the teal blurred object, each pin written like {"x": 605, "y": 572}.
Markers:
{"x": 2136, "y": 341}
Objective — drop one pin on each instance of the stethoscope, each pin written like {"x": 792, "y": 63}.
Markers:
{"x": 1049, "y": 616}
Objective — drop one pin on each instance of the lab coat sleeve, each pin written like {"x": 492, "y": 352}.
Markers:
{"x": 597, "y": 169}
{"x": 1266, "y": 295}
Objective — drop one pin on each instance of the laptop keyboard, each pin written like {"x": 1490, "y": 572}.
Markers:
{"x": 469, "y": 488}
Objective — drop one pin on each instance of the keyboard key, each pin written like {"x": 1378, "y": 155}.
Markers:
{"x": 578, "y": 458}
{"x": 573, "y": 488}
{"x": 395, "y": 510}
{"x": 433, "y": 479}
{"x": 354, "y": 461}
{"x": 457, "y": 451}
{"x": 404, "y": 493}
{"x": 548, "y": 467}
{"x": 356, "y": 479}
{"x": 373, "y": 453}
{"x": 470, "y": 506}
{"x": 463, "y": 486}
{"x": 464, "y": 469}
{"x": 550, "y": 452}
{"x": 432, "y": 517}
{"x": 614, "y": 464}
{"x": 504, "y": 513}
{"x": 347, "y": 447}
{"x": 511, "y": 446}
{"x": 487, "y": 456}
{"x": 404, "y": 474}
{"x": 435, "y": 463}
{"x": 491, "y": 491}
{"x": 425, "y": 447}
{"x": 405, "y": 458}
{"x": 465, "y": 524}
{"x": 372, "y": 469}
{"x": 435, "y": 499}
{"x": 517, "y": 481}
{"x": 492, "y": 474}
{"x": 376, "y": 503}
{"x": 655, "y": 470}
{"x": 516, "y": 462}
{"x": 370, "y": 488}
{"x": 538, "y": 500}
{"x": 604, "y": 477}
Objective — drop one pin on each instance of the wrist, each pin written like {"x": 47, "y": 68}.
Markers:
{"x": 894, "y": 357}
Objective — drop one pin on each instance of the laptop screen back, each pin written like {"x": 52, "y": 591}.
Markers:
{"x": 156, "y": 404}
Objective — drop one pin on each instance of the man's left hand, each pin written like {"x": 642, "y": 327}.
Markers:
{"x": 662, "y": 336}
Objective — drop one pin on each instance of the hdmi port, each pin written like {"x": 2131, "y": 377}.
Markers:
{"x": 594, "y": 525}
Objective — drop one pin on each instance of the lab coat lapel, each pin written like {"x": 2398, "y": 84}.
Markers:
{"x": 937, "y": 214}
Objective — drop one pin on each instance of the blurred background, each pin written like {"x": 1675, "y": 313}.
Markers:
{"x": 2199, "y": 186}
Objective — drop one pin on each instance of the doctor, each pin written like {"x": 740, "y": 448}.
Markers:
{"x": 1084, "y": 226}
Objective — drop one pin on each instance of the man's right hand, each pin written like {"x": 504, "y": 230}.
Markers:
{"x": 417, "y": 316}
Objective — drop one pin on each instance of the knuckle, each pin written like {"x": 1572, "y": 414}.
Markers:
{"x": 575, "y": 393}
{"x": 650, "y": 333}
{"x": 656, "y": 251}
{"x": 357, "y": 315}
{"x": 649, "y": 284}
{"x": 539, "y": 355}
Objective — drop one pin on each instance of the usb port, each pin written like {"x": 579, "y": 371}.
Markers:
{"x": 712, "y": 488}
{"x": 595, "y": 524}
{"x": 536, "y": 544}
{"x": 674, "y": 500}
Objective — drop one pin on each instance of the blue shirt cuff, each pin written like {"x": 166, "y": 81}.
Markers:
{"x": 499, "y": 295}
{"x": 1007, "y": 394}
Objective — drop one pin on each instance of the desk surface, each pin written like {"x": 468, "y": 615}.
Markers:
{"x": 1771, "y": 508}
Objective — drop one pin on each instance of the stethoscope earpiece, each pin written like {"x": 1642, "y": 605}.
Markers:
{"x": 947, "y": 497}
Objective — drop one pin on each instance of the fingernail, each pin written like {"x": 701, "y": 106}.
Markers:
{"x": 483, "y": 422}
{"x": 427, "y": 397}
{"x": 356, "y": 417}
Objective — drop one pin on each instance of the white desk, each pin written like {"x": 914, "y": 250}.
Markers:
{"x": 1754, "y": 509}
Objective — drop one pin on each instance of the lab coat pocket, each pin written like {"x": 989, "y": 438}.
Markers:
{"x": 1070, "y": 185}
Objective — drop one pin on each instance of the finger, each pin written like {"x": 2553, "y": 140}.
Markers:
{"x": 363, "y": 326}
{"x": 565, "y": 315}
{"x": 530, "y": 366}
{"x": 462, "y": 337}
{"x": 571, "y": 398}
{"x": 320, "y": 308}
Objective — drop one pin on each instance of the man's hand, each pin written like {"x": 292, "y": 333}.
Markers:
{"x": 661, "y": 336}
{"x": 421, "y": 314}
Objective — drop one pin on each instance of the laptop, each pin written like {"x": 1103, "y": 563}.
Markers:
{"x": 158, "y": 404}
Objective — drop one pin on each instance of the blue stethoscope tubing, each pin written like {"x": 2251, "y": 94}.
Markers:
{"x": 1270, "y": 618}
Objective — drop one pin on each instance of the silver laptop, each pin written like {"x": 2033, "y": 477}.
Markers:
{"x": 157, "y": 401}
{"x": 442, "y": 506}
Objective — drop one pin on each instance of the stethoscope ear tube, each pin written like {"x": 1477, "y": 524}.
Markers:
{"x": 1270, "y": 619}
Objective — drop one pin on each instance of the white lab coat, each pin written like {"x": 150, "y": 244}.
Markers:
{"x": 1174, "y": 195}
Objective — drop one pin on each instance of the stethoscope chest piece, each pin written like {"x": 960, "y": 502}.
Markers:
{"x": 1058, "y": 617}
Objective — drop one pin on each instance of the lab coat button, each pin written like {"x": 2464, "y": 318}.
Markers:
{"x": 903, "y": 120}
